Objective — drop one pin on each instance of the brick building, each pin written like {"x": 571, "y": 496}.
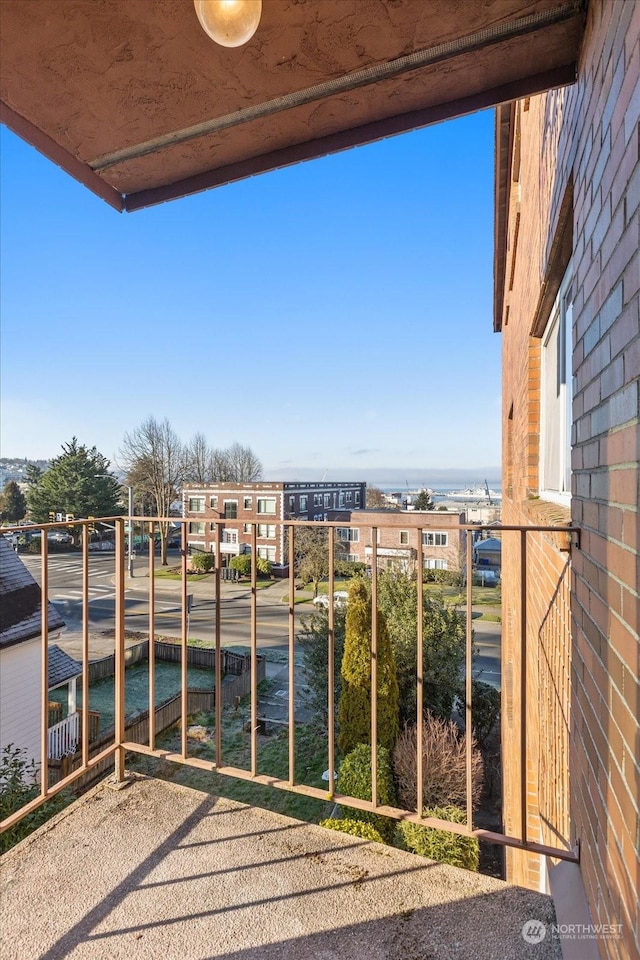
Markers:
{"x": 443, "y": 544}
{"x": 264, "y": 504}
{"x": 567, "y": 271}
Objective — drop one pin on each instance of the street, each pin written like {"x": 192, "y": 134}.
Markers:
{"x": 65, "y": 590}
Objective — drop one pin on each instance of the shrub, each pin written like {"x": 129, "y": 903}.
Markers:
{"x": 242, "y": 564}
{"x": 354, "y": 780}
{"x": 18, "y": 786}
{"x": 203, "y": 562}
{"x": 452, "y": 578}
{"x": 348, "y": 569}
{"x": 356, "y": 828}
{"x": 443, "y": 647}
{"x": 354, "y": 707}
{"x": 444, "y": 765}
{"x": 264, "y": 567}
{"x": 441, "y": 845}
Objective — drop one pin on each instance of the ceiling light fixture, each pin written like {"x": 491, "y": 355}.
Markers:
{"x": 229, "y": 22}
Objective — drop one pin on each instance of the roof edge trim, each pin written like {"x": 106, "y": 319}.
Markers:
{"x": 46, "y": 145}
{"x": 353, "y": 137}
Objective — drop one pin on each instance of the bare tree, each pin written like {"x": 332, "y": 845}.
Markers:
{"x": 205, "y": 464}
{"x": 243, "y": 465}
{"x": 153, "y": 456}
{"x": 198, "y": 457}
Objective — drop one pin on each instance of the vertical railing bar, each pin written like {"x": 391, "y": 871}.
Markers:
{"x": 292, "y": 668}
{"x": 184, "y": 639}
{"x": 374, "y": 667}
{"x": 330, "y": 669}
{"x": 218, "y": 655}
{"x": 85, "y": 645}
{"x": 468, "y": 684}
{"x": 254, "y": 650}
{"x": 420, "y": 677}
{"x": 523, "y": 683}
{"x": 119, "y": 649}
{"x": 152, "y": 635}
{"x": 44, "y": 664}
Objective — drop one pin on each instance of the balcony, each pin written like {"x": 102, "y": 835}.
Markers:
{"x": 142, "y": 859}
{"x": 158, "y": 870}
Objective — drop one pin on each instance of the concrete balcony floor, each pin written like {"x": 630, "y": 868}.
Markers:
{"x": 156, "y": 870}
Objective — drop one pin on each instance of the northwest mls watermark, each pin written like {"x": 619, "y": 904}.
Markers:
{"x": 534, "y": 931}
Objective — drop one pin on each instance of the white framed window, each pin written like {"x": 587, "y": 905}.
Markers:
{"x": 247, "y": 503}
{"x": 267, "y": 553}
{"x": 348, "y": 534}
{"x": 348, "y": 496}
{"x": 230, "y": 509}
{"x": 430, "y": 564}
{"x": 213, "y": 503}
{"x": 404, "y": 537}
{"x": 327, "y": 500}
{"x": 357, "y": 496}
{"x": 292, "y": 504}
{"x": 196, "y": 504}
{"x": 197, "y": 528}
{"x": 435, "y": 538}
{"x": 267, "y": 505}
{"x": 267, "y": 531}
{"x": 303, "y": 504}
{"x": 229, "y": 536}
{"x": 247, "y": 528}
{"x": 353, "y": 557}
{"x": 317, "y": 499}
{"x": 556, "y": 398}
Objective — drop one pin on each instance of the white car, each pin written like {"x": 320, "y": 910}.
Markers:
{"x": 340, "y": 598}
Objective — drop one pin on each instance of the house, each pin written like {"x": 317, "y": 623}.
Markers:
{"x": 443, "y": 543}
{"x": 263, "y": 505}
{"x": 487, "y": 553}
{"x": 567, "y": 279}
{"x": 21, "y": 655}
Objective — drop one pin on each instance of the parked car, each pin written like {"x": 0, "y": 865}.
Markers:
{"x": 340, "y": 598}
{"x": 59, "y": 536}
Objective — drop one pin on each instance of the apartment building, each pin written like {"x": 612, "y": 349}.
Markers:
{"x": 567, "y": 272}
{"x": 263, "y": 504}
{"x": 397, "y": 538}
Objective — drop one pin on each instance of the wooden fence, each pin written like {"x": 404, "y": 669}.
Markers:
{"x": 167, "y": 713}
{"x": 203, "y": 657}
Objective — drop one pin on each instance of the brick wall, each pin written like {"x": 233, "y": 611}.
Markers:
{"x": 588, "y": 136}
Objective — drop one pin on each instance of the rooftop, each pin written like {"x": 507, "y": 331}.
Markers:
{"x": 160, "y": 870}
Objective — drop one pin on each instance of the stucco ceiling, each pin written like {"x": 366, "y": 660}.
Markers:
{"x": 132, "y": 98}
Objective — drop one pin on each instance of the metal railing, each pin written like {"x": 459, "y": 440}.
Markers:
{"x": 120, "y": 745}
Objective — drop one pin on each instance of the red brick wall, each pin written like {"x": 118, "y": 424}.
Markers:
{"x": 591, "y": 131}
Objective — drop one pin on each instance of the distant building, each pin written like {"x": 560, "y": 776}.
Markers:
{"x": 443, "y": 544}
{"x": 265, "y": 504}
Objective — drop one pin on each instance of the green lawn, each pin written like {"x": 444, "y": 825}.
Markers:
{"x": 488, "y": 596}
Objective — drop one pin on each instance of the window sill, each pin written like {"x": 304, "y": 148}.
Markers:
{"x": 545, "y": 513}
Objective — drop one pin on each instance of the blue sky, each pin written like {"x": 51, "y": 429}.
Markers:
{"x": 335, "y": 316}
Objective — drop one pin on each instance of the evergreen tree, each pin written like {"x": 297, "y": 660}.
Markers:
{"x": 13, "y": 503}
{"x": 33, "y": 474}
{"x": 354, "y": 706}
{"x": 424, "y": 501}
{"x": 76, "y": 483}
